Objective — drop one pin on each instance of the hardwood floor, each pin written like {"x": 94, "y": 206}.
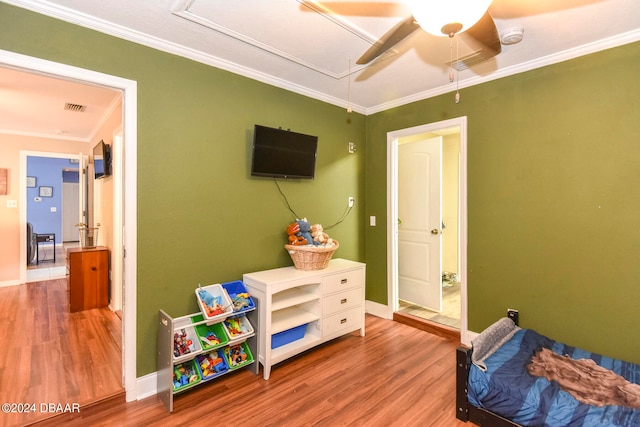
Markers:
{"x": 51, "y": 356}
{"x": 395, "y": 376}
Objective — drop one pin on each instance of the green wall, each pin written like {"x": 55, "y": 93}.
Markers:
{"x": 553, "y": 201}
{"x": 554, "y": 198}
{"x": 201, "y": 217}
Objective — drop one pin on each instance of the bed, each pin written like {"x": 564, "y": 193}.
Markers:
{"x": 504, "y": 380}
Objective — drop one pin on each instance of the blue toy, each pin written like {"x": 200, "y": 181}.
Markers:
{"x": 305, "y": 231}
{"x": 206, "y": 297}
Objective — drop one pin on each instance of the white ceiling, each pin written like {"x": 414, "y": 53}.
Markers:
{"x": 296, "y": 45}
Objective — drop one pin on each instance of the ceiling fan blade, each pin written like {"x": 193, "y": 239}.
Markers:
{"x": 392, "y": 37}
{"x": 486, "y": 34}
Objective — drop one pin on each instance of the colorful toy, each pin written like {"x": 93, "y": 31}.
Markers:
{"x": 235, "y": 327}
{"x": 241, "y": 301}
{"x": 211, "y": 339}
{"x": 213, "y": 305}
{"x": 184, "y": 374}
{"x": 235, "y": 355}
{"x": 295, "y": 237}
{"x": 320, "y": 236}
{"x": 211, "y": 364}
{"x": 305, "y": 230}
{"x": 182, "y": 345}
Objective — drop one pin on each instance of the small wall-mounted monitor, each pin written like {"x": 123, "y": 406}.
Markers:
{"x": 281, "y": 153}
{"x": 101, "y": 160}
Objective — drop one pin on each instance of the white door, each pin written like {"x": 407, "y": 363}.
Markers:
{"x": 420, "y": 222}
{"x": 70, "y": 213}
{"x": 82, "y": 189}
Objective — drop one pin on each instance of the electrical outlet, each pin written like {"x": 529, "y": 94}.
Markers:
{"x": 513, "y": 315}
{"x": 351, "y": 202}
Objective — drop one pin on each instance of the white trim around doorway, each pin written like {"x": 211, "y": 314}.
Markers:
{"x": 392, "y": 214}
{"x": 129, "y": 211}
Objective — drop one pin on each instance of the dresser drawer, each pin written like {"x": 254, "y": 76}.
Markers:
{"x": 345, "y": 321}
{"x": 342, "y": 301}
{"x": 340, "y": 281}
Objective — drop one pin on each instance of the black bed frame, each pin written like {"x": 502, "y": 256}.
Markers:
{"x": 465, "y": 411}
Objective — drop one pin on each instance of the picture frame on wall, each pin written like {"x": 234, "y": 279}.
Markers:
{"x": 31, "y": 182}
{"x": 46, "y": 191}
{"x": 4, "y": 181}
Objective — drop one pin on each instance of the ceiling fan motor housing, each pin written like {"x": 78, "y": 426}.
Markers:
{"x": 451, "y": 29}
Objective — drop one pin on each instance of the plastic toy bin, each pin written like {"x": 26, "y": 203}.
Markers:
{"x": 182, "y": 351}
{"x": 203, "y": 331}
{"x": 219, "y": 297}
{"x": 238, "y": 328}
{"x": 185, "y": 375}
{"x": 290, "y": 335}
{"x": 238, "y": 355}
{"x": 212, "y": 364}
{"x": 239, "y": 304}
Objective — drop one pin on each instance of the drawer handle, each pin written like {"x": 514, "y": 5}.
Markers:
{"x": 343, "y": 321}
{"x": 93, "y": 269}
{"x": 343, "y": 281}
{"x": 343, "y": 301}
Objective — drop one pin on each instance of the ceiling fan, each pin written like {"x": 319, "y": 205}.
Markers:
{"x": 436, "y": 17}
{"x": 443, "y": 18}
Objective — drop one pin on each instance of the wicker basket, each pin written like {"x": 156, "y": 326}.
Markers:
{"x": 88, "y": 237}
{"x": 311, "y": 257}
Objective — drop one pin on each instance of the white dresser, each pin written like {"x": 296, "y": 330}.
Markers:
{"x": 298, "y": 310}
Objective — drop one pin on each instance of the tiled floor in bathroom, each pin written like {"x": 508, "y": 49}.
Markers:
{"x": 450, "y": 314}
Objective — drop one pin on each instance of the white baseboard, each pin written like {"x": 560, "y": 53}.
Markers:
{"x": 469, "y": 336}
{"x": 147, "y": 386}
{"x": 377, "y": 309}
{"x": 9, "y": 283}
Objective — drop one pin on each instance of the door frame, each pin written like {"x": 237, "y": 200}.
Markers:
{"x": 128, "y": 214}
{"x": 392, "y": 214}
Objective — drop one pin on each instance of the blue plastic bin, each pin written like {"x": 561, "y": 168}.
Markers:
{"x": 235, "y": 288}
{"x": 290, "y": 335}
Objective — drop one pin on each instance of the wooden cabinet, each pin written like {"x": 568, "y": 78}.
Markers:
{"x": 88, "y": 278}
{"x": 325, "y": 303}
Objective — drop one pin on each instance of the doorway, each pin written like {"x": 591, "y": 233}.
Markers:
{"x": 127, "y": 201}
{"x": 57, "y": 215}
{"x": 439, "y": 223}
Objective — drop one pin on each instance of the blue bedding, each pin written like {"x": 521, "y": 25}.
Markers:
{"x": 507, "y": 389}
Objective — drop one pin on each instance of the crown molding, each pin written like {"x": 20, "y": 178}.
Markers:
{"x": 600, "y": 45}
{"x": 128, "y": 34}
{"x": 115, "y": 30}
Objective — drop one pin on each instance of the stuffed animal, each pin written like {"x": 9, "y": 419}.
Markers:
{"x": 320, "y": 236}
{"x": 295, "y": 236}
{"x": 305, "y": 230}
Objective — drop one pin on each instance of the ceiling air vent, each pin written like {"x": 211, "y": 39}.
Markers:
{"x": 75, "y": 107}
{"x": 468, "y": 61}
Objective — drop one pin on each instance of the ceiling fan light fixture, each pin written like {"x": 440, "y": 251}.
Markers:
{"x": 448, "y": 17}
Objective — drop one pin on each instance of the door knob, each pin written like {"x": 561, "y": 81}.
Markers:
{"x": 435, "y": 231}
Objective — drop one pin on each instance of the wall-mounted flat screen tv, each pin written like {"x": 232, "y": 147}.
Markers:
{"x": 101, "y": 160}
{"x": 280, "y": 153}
